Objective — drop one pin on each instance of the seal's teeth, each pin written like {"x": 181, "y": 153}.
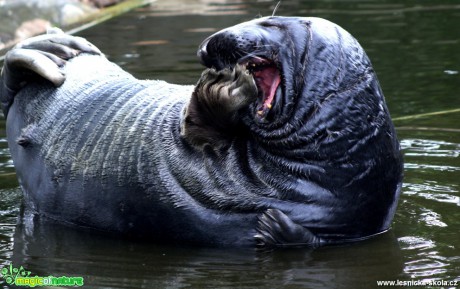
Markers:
{"x": 269, "y": 105}
{"x": 260, "y": 112}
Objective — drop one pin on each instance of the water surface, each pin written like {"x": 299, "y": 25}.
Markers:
{"x": 414, "y": 49}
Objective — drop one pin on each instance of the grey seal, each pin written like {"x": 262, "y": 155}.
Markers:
{"x": 285, "y": 140}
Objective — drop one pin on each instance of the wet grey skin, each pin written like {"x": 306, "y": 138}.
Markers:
{"x": 286, "y": 139}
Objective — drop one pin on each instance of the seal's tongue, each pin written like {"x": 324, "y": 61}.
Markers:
{"x": 267, "y": 80}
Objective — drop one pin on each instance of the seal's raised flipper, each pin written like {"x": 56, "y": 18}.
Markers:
{"x": 214, "y": 107}
{"x": 39, "y": 56}
{"x": 275, "y": 229}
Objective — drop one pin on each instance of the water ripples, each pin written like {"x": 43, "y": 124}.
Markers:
{"x": 431, "y": 148}
{"x": 429, "y": 206}
{"x": 425, "y": 160}
{"x": 430, "y": 190}
{"x": 9, "y": 209}
{"x": 440, "y": 168}
{"x": 425, "y": 261}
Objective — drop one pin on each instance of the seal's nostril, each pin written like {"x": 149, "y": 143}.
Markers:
{"x": 203, "y": 48}
{"x": 223, "y": 49}
{"x": 202, "y": 52}
{"x": 203, "y": 56}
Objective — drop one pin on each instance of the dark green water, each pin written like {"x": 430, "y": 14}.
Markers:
{"x": 414, "y": 46}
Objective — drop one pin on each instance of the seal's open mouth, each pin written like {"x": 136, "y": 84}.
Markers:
{"x": 267, "y": 78}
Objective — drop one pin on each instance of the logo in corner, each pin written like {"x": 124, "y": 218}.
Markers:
{"x": 21, "y": 277}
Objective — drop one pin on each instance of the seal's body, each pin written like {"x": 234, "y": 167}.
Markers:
{"x": 279, "y": 143}
{"x": 104, "y": 150}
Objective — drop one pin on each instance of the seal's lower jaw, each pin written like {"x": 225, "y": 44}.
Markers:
{"x": 267, "y": 78}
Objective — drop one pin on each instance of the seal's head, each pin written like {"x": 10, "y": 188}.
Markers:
{"x": 307, "y": 70}
{"x": 319, "y": 116}
{"x": 261, "y": 46}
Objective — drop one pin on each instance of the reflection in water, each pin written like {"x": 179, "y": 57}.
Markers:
{"x": 52, "y": 249}
{"x": 427, "y": 262}
{"x": 415, "y": 52}
{"x": 431, "y": 148}
{"x": 429, "y": 210}
{"x": 431, "y": 167}
{"x": 430, "y": 151}
{"x": 432, "y": 218}
{"x": 9, "y": 210}
{"x": 431, "y": 186}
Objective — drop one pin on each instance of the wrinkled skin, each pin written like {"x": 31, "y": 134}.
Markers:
{"x": 285, "y": 140}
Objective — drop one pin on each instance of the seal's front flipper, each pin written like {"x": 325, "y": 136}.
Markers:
{"x": 213, "y": 113}
{"x": 275, "y": 229}
{"x": 39, "y": 57}
{"x": 58, "y": 44}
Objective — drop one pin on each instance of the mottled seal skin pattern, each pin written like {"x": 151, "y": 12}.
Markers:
{"x": 285, "y": 140}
